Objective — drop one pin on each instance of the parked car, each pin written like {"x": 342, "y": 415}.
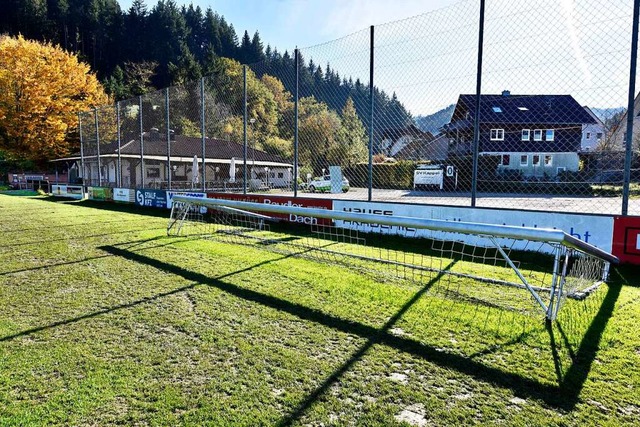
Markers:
{"x": 323, "y": 184}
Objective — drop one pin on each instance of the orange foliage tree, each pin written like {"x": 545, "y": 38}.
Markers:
{"x": 42, "y": 88}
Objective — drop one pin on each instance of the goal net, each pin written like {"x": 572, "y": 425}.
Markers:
{"x": 519, "y": 269}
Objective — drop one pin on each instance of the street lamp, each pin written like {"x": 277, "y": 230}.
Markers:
{"x": 266, "y": 174}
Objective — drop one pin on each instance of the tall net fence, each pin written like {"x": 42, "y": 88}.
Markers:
{"x": 547, "y": 133}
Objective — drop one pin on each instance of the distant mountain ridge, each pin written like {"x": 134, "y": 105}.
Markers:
{"x": 433, "y": 122}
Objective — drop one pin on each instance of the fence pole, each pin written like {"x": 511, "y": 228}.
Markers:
{"x": 141, "y": 143}
{"x": 244, "y": 124}
{"x": 168, "y": 120}
{"x": 81, "y": 150}
{"x": 95, "y": 113}
{"x": 119, "y": 160}
{"x": 630, "y": 109}
{"x": 476, "y": 118}
{"x": 371, "y": 111}
{"x": 295, "y": 127}
{"x": 202, "y": 132}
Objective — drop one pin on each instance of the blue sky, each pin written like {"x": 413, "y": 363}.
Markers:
{"x": 426, "y": 50}
{"x": 287, "y": 23}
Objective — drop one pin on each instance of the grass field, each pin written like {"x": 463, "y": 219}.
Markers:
{"x": 105, "y": 320}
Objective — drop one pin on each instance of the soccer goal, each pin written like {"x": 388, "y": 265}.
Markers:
{"x": 516, "y": 268}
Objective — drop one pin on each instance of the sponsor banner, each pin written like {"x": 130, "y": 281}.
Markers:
{"x": 101, "y": 193}
{"x": 596, "y": 230}
{"x": 59, "y": 190}
{"x": 124, "y": 195}
{"x": 151, "y": 198}
{"x": 170, "y": 195}
{"x": 299, "y": 202}
{"x": 75, "y": 191}
{"x": 626, "y": 239}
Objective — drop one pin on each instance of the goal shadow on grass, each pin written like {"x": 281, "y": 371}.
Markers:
{"x": 564, "y": 395}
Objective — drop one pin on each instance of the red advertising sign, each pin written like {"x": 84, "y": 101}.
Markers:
{"x": 299, "y": 202}
{"x": 626, "y": 239}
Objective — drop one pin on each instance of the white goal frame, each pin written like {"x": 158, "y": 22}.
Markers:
{"x": 568, "y": 244}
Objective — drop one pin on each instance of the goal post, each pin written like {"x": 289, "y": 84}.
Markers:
{"x": 561, "y": 265}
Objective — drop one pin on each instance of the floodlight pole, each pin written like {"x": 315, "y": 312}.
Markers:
{"x": 168, "y": 118}
{"x": 630, "y": 109}
{"x": 119, "y": 160}
{"x": 81, "y": 150}
{"x": 295, "y": 128}
{"x": 202, "y": 131}
{"x": 371, "y": 111}
{"x": 141, "y": 142}
{"x": 244, "y": 127}
{"x": 95, "y": 115}
{"x": 476, "y": 119}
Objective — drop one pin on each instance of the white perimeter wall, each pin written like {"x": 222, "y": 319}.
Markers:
{"x": 597, "y": 230}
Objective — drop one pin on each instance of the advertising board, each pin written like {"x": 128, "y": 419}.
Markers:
{"x": 170, "y": 195}
{"x": 302, "y": 202}
{"x": 100, "y": 193}
{"x": 124, "y": 195}
{"x": 597, "y": 230}
{"x": 59, "y": 190}
{"x": 151, "y": 198}
{"x": 626, "y": 239}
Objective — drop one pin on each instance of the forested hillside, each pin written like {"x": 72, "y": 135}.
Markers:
{"x": 145, "y": 47}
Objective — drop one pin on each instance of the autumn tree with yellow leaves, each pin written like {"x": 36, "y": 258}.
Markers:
{"x": 42, "y": 89}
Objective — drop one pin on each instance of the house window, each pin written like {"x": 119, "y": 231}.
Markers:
{"x": 526, "y": 134}
{"x": 548, "y": 160}
{"x": 587, "y": 135}
{"x": 280, "y": 174}
{"x": 550, "y": 135}
{"x": 599, "y": 135}
{"x": 497, "y": 134}
{"x": 506, "y": 158}
{"x": 536, "y": 160}
{"x": 537, "y": 135}
{"x": 524, "y": 160}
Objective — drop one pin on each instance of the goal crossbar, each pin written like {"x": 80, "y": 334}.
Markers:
{"x": 505, "y": 231}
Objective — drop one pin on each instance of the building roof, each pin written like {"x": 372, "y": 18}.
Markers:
{"x": 155, "y": 145}
{"x": 522, "y": 109}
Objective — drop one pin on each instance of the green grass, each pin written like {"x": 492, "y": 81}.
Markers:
{"x": 104, "y": 320}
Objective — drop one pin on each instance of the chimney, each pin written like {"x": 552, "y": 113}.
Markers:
{"x": 506, "y": 93}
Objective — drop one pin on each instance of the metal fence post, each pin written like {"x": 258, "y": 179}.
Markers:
{"x": 202, "y": 131}
{"x": 371, "y": 101}
{"x": 168, "y": 120}
{"x": 81, "y": 150}
{"x": 295, "y": 126}
{"x": 244, "y": 124}
{"x": 476, "y": 119}
{"x": 141, "y": 143}
{"x": 630, "y": 109}
{"x": 95, "y": 112}
{"x": 119, "y": 159}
